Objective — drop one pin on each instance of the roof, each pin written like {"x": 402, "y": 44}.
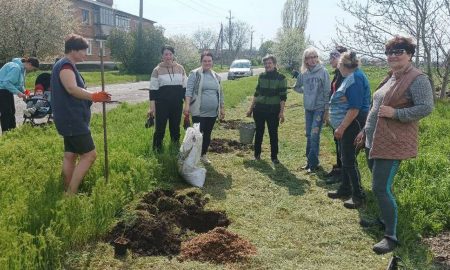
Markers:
{"x": 122, "y": 12}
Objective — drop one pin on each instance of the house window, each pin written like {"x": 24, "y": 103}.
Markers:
{"x": 89, "y": 49}
{"x": 106, "y": 16}
{"x": 102, "y": 44}
{"x": 85, "y": 16}
{"x": 123, "y": 23}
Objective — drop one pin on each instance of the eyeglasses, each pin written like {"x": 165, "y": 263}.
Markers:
{"x": 397, "y": 52}
{"x": 311, "y": 57}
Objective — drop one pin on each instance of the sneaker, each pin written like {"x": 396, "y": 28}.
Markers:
{"x": 386, "y": 245}
{"x": 304, "y": 167}
{"x": 339, "y": 194}
{"x": 28, "y": 112}
{"x": 205, "y": 160}
{"x": 311, "y": 170}
{"x": 353, "y": 203}
{"x": 367, "y": 223}
{"x": 275, "y": 161}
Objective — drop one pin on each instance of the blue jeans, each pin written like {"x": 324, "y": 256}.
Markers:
{"x": 313, "y": 126}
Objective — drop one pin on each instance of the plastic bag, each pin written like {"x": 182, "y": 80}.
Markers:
{"x": 189, "y": 157}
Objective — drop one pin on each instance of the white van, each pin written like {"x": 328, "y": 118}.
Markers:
{"x": 240, "y": 68}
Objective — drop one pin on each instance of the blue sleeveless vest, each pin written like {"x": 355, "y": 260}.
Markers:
{"x": 71, "y": 115}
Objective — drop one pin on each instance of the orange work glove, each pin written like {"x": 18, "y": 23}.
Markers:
{"x": 101, "y": 97}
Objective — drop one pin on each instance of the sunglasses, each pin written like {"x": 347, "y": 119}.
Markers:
{"x": 396, "y": 52}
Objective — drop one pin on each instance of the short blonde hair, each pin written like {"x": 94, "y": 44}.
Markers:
{"x": 311, "y": 51}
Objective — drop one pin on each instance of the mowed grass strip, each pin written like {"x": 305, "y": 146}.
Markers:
{"x": 284, "y": 212}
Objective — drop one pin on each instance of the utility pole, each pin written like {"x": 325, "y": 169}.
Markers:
{"x": 139, "y": 38}
{"x": 230, "y": 33}
{"x": 221, "y": 45}
{"x": 251, "y": 42}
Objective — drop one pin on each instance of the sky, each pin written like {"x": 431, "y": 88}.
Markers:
{"x": 264, "y": 16}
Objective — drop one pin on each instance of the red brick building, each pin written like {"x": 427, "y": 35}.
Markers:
{"x": 98, "y": 18}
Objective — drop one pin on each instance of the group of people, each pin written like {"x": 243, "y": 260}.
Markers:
{"x": 387, "y": 127}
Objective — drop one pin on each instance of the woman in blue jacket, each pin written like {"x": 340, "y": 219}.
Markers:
{"x": 12, "y": 82}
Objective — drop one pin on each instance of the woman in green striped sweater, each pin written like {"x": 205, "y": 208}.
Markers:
{"x": 268, "y": 106}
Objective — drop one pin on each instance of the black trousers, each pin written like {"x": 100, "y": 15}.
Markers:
{"x": 338, "y": 152}
{"x": 351, "y": 178}
{"x": 206, "y": 127}
{"x": 7, "y": 110}
{"x": 261, "y": 117}
{"x": 167, "y": 111}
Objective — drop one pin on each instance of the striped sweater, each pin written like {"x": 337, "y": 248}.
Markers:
{"x": 270, "y": 91}
{"x": 167, "y": 82}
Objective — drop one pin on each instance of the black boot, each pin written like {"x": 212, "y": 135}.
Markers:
{"x": 354, "y": 202}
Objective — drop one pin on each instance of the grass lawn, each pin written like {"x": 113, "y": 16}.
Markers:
{"x": 280, "y": 209}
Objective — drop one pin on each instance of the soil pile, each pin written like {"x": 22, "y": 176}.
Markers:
{"x": 163, "y": 219}
{"x": 227, "y": 146}
{"x": 230, "y": 124}
{"x": 440, "y": 246}
{"x": 218, "y": 246}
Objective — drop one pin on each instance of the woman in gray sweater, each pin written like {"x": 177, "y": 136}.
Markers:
{"x": 204, "y": 99}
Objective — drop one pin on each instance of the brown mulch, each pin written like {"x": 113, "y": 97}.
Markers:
{"x": 163, "y": 219}
{"x": 440, "y": 246}
{"x": 227, "y": 146}
{"x": 217, "y": 246}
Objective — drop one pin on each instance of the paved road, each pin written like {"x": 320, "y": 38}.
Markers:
{"x": 128, "y": 92}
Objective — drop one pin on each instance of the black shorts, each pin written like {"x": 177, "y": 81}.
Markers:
{"x": 80, "y": 144}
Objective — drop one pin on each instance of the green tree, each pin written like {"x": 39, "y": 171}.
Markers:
{"x": 266, "y": 48}
{"x": 123, "y": 49}
{"x": 289, "y": 47}
{"x": 291, "y": 37}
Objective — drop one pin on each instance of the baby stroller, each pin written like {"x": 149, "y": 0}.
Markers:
{"x": 38, "y": 106}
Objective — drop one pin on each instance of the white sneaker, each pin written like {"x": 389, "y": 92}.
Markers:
{"x": 27, "y": 112}
{"x": 205, "y": 160}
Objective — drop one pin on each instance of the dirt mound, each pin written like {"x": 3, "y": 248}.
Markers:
{"x": 440, "y": 246}
{"x": 227, "y": 146}
{"x": 230, "y": 124}
{"x": 163, "y": 218}
{"x": 218, "y": 246}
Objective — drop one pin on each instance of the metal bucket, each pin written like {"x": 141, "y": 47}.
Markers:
{"x": 246, "y": 133}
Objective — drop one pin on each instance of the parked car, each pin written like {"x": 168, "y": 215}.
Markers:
{"x": 240, "y": 68}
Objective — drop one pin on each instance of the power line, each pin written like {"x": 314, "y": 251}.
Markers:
{"x": 209, "y": 9}
{"x": 201, "y": 12}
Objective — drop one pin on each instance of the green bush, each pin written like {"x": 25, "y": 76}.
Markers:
{"x": 137, "y": 56}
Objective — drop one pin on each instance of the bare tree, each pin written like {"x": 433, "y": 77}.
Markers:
{"x": 36, "y": 28}
{"x": 204, "y": 38}
{"x": 295, "y": 14}
{"x": 239, "y": 36}
{"x": 379, "y": 20}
